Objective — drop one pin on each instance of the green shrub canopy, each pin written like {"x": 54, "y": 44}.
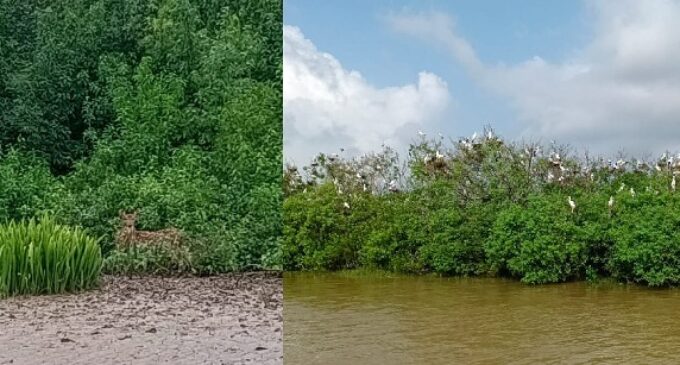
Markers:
{"x": 487, "y": 207}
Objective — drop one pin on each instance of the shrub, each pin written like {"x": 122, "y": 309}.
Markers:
{"x": 46, "y": 258}
{"x": 647, "y": 241}
{"x": 539, "y": 243}
{"x": 154, "y": 260}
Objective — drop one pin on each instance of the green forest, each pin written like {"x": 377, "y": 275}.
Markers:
{"x": 168, "y": 108}
{"x": 484, "y": 206}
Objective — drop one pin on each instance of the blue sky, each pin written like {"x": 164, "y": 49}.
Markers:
{"x": 505, "y": 36}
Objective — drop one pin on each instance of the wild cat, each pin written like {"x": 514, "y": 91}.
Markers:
{"x": 129, "y": 236}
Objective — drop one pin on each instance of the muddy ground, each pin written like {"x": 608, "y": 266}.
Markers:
{"x": 218, "y": 320}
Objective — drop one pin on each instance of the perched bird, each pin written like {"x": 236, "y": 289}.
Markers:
{"x": 572, "y": 204}
{"x": 438, "y": 155}
{"x": 632, "y": 192}
{"x": 393, "y": 186}
{"x": 551, "y": 177}
{"x": 611, "y": 202}
{"x": 673, "y": 183}
{"x": 623, "y": 186}
{"x": 346, "y": 205}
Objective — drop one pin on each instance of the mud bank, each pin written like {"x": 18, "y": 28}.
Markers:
{"x": 234, "y": 319}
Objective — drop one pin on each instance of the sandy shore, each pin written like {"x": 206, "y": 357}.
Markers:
{"x": 217, "y": 320}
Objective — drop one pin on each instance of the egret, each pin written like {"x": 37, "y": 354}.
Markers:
{"x": 438, "y": 155}
{"x": 632, "y": 192}
{"x": 673, "y": 183}
{"x": 489, "y": 134}
{"x": 611, "y": 202}
{"x": 346, "y": 205}
{"x": 474, "y": 136}
{"x": 623, "y": 186}
{"x": 572, "y": 204}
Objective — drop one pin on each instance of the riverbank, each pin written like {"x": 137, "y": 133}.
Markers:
{"x": 231, "y": 319}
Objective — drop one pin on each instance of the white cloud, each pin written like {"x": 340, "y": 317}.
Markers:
{"x": 621, "y": 90}
{"x": 327, "y": 107}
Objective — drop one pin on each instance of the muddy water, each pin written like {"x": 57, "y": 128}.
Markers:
{"x": 351, "y": 318}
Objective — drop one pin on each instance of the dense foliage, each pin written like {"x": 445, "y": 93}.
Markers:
{"x": 171, "y": 108}
{"x": 484, "y": 206}
{"x": 46, "y": 258}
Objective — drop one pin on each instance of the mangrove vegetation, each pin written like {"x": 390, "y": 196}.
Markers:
{"x": 487, "y": 206}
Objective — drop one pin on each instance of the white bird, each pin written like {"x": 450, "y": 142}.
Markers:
{"x": 489, "y": 134}
{"x": 673, "y": 183}
{"x": 572, "y": 204}
{"x": 393, "y": 186}
{"x": 438, "y": 155}
{"x": 421, "y": 133}
{"x": 474, "y": 136}
{"x": 632, "y": 192}
{"x": 346, "y": 205}
{"x": 611, "y": 202}
{"x": 623, "y": 186}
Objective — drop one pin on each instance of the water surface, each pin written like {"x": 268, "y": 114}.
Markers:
{"x": 350, "y": 318}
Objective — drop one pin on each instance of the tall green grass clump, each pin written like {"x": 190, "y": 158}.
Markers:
{"x": 43, "y": 257}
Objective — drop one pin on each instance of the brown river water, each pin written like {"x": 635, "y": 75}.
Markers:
{"x": 360, "y": 318}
